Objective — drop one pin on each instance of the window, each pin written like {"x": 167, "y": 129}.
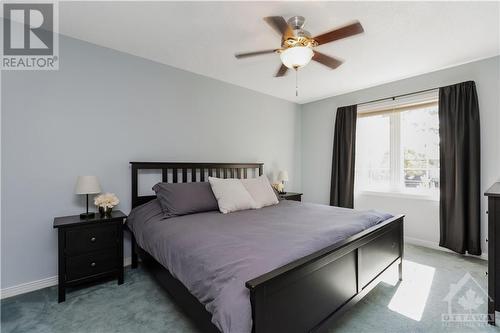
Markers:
{"x": 397, "y": 146}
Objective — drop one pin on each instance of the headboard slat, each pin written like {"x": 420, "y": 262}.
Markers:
{"x": 227, "y": 169}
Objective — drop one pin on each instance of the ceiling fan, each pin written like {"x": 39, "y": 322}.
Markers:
{"x": 297, "y": 45}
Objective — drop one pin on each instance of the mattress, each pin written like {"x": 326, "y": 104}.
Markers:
{"x": 214, "y": 254}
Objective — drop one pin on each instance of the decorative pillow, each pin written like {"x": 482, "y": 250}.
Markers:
{"x": 261, "y": 191}
{"x": 231, "y": 195}
{"x": 185, "y": 198}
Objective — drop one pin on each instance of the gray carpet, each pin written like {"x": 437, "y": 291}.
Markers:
{"x": 139, "y": 305}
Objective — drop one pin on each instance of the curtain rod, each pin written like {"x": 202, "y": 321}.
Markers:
{"x": 397, "y": 96}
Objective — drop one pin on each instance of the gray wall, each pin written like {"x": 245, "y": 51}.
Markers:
{"x": 422, "y": 218}
{"x": 103, "y": 109}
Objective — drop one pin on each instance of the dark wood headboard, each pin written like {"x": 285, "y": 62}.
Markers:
{"x": 179, "y": 172}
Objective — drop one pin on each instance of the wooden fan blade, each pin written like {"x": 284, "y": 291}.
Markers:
{"x": 281, "y": 71}
{"x": 326, "y": 60}
{"x": 279, "y": 24}
{"x": 339, "y": 33}
{"x": 251, "y": 54}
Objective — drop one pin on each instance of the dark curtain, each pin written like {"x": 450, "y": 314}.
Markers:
{"x": 344, "y": 140}
{"x": 459, "y": 156}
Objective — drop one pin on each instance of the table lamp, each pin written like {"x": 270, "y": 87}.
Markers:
{"x": 283, "y": 177}
{"x": 87, "y": 185}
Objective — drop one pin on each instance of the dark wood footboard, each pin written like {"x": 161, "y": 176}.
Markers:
{"x": 307, "y": 294}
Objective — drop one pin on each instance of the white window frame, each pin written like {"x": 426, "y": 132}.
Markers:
{"x": 396, "y": 159}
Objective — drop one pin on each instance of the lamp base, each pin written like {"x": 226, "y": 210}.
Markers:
{"x": 86, "y": 216}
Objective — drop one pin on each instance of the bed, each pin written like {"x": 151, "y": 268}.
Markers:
{"x": 292, "y": 267}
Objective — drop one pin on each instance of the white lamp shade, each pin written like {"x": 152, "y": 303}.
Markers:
{"x": 87, "y": 185}
{"x": 283, "y": 176}
{"x": 296, "y": 57}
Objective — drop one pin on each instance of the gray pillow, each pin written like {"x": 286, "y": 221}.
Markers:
{"x": 144, "y": 213}
{"x": 185, "y": 198}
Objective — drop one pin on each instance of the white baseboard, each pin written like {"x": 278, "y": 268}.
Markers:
{"x": 27, "y": 287}
{"x": 39, "y": 284}
{"x": 435, "y": 246}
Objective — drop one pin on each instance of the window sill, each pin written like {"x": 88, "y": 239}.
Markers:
{"x": 403, "y": 195}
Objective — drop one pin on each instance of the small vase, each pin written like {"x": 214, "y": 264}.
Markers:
{"x": 105, "y": 211}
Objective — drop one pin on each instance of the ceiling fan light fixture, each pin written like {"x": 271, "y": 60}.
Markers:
{"x": 296, "y": 57}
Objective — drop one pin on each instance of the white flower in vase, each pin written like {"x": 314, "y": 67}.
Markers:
{"x": 106, "y": 202}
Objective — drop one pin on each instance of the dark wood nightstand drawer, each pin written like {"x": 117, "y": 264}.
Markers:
{"x": 91, "y": 264}
{"x": 88, "y": 239}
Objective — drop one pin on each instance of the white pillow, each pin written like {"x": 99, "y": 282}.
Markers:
{"x": 231, "y": 195}
{"x": 261, "y": 191}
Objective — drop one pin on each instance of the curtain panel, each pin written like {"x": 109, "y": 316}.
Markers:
{"x": 459, "y": 210}
{"x": 344, "y": 141}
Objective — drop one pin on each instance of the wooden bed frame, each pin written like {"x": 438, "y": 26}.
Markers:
{"x": 306, "y": 295}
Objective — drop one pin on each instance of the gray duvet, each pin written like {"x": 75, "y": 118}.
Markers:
{"x": 214, "y": 254}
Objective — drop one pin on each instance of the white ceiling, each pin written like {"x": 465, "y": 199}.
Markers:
{"x": 401, "y": 39}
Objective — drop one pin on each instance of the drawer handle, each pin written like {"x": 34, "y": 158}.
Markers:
{"x": 92, "y": 264}
{"x": 92, "y": 239}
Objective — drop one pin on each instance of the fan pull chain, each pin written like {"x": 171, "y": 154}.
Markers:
{"x": 296, "y": 82}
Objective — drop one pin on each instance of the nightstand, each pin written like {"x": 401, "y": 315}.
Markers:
{"x": 89, "y": 249}
{"x": 291, "y": 196}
